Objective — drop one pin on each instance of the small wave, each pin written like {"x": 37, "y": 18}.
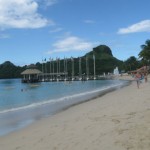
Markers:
{"x": 66, "y": 98}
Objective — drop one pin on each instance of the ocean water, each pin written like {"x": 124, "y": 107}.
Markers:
{"x": 21, "y": 104}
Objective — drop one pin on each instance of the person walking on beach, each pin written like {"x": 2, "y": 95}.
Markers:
{"x": 137, "y": 78}
{"x": 145, "y": 76}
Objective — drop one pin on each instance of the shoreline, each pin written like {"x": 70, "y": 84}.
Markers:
{"x": 102, "y": 93}
{"x": 25, "y": 117}
{"x": 117, "y": 120}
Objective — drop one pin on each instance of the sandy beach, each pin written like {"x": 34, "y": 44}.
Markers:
{"x": 119, "y": 120}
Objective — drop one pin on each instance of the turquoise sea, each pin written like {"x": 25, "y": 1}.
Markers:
{"x": 21, "y": 104}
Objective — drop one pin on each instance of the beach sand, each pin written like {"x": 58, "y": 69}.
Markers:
{"x": 119, "y": 120}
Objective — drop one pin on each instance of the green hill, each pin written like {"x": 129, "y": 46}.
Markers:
{"x": 105, "y": 61}
{"x": 9, "y": 70}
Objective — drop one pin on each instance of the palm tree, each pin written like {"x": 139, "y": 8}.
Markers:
{"x": 131, "y": 63}
{"x": 145, "y": 52}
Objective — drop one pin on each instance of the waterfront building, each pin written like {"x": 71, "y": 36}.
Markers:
{"x": 31, "y": 74}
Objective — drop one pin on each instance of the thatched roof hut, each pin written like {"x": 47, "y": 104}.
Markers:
{"x": 31, "y": 71}
{"x": 31, "y": 74}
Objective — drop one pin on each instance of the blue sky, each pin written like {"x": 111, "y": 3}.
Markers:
{"x": 31, "y": 30}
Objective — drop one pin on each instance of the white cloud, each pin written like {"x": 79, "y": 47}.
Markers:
{"x": 89, "y": 21}
{"x": 21, "y": 14}
{"x": 50, "y": 2}
{"x": 46, "y": 3}
{"x": 71, "y": 43}
{"x": 56, "y": 30}
{"x": 143, "y": 26}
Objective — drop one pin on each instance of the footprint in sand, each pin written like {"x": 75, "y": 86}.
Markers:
{"x": 18, "y": 147}
{"x": 132, "y": 113}
{"x": 115, "y": 121}
{"x": 121, "y": 131}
